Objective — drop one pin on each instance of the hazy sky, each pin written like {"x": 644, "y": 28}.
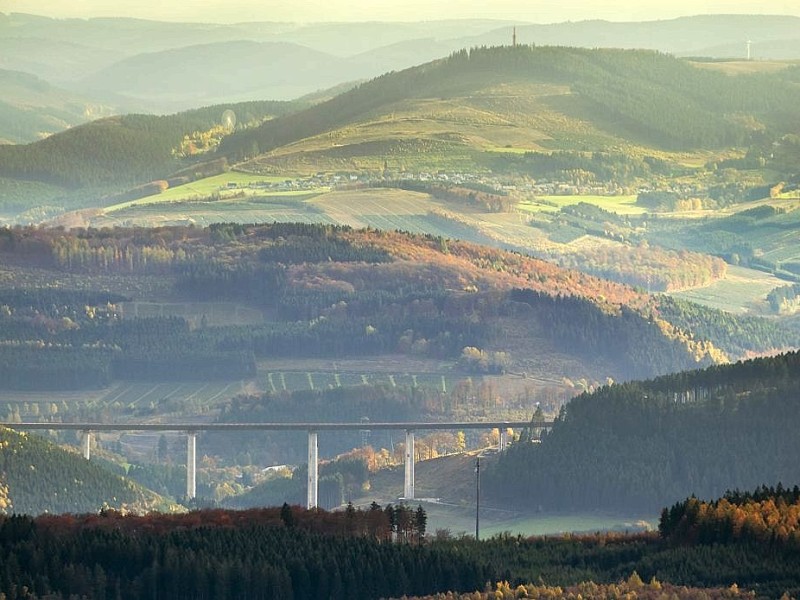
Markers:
{"x": 539, "y": 11}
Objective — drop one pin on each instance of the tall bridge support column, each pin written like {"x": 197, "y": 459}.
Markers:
{"x": 191, "y": 464}
{"x": 408, "y": 487}
{"x": 503, "y": 439}
{"x": 86, "y": 444}
{"x": 313, "y": 473}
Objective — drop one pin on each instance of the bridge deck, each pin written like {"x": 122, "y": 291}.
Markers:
{"x": 409, "y": 426}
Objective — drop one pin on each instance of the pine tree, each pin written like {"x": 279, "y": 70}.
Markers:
{"x": 287, "y": 516}
{"x": 420, "y": 523}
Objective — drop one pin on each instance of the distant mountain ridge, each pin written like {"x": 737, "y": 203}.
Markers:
{"x": 681, "y": 36}
{"x": 221, "y": 71}
{"x": 122, "y": 54}
{"x": 31, "y": 108}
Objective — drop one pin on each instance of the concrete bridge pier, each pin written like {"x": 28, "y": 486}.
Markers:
{"x": 191, "y": 464}
{"x": 86, "y": 444}
{"x": 408, "y": 487}
{"x": 503, "y": 439}
{"x": 313, "y": 471}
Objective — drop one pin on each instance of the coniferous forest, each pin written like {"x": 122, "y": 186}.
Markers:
{"x": 119, "y": 150}
{"x": 640, "y": 444}
{"x": 382, "y": 552}
{"x": 38, "y": 477}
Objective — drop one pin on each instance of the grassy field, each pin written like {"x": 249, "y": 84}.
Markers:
{"x": 741, "y": 291}
{"x": 266, "y": 209}
{"x": 391, "y": 209}
{"x": 461, "y": 520}
{"x": 392, "y": 370}
{"x": 528, "y": 229}
{"x": 447, "y": 487}
{"x": 621, "y": 205}
{"x": 388, "y": 209}
{"x": 204, "y": 188}
{"x": 378, "y": 208}
{"x": 745, "y": 67}
{"x": 167, "y": 399}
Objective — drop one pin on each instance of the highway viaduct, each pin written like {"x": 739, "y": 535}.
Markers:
{"x": 312, "y": 429}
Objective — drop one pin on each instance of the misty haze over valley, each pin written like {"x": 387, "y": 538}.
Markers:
{"x": 382, "y": 301}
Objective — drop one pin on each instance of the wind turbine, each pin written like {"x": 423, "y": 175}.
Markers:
{"x": 749, "y": 45}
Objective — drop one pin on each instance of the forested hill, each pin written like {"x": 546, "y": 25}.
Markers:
{"x": 38, "y": 477}
{"x": 331, "y": 292}
{"x": 639, "y": 445}
{"x": 652, "y": 98}
{"x": 122, "y": 150}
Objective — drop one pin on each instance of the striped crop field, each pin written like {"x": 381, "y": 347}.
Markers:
{"x": 292, "y": 381}
{"x": 123, "y": 398}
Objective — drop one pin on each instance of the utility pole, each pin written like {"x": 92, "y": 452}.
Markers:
{"x": 477, "y": 498}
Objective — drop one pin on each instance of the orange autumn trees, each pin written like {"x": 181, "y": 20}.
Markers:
{"x": 768, "y": 515}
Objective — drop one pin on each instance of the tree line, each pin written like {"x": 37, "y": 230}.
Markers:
{"x": 784, "y": 299}
{"x": 289, "y": 552}
{"x": 769, "y": 516}
{"x": 586, "y": 168}
{"x": 638, "y": 342}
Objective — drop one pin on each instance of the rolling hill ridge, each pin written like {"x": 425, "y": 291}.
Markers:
{"x": 538, "y": 98}
{"x": 31, "y": 108}
{"x": 222, "y": 72}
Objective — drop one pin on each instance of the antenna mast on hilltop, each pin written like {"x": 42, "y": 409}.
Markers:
{"x": 514, "y": 37}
